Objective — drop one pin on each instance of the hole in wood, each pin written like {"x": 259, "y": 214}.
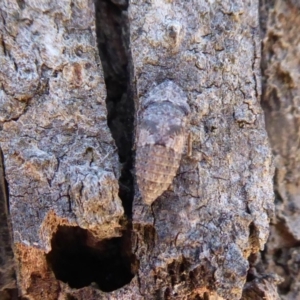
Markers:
{"x": 77, "y": 259}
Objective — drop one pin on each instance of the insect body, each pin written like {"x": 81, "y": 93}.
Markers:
{"x": 161, "y": 137}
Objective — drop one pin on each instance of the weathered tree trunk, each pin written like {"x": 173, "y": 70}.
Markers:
{"x": 280, "y": 22}
{"x": 198, "y": 236}
{"x": 69, "y": 111}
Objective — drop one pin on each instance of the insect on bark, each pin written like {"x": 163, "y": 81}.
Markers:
{"x": 160, "y": 139}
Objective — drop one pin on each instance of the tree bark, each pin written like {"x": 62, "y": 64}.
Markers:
{"x": 60, "y": 160}
{"x": 281, "y": 105}
{"x": 197, "y": 237}
{"x": 69, "y": 110}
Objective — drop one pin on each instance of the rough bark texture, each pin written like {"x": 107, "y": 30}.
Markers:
{"x": 59, "y": 155}
{"x": 198, "y": 235}
{"x": 61, "y": 162}
{"x": 65, "y": 183}
{"x": 281, "y": 102}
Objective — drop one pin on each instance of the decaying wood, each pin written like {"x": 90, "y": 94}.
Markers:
{"x": 262, "y": 287}
{"x": 61, "y": 163}
{"x": 281, "y": 102}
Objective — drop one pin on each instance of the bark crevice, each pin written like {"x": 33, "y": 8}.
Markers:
{"x": 112, "y": 37}
{"x": 7, "y": 270}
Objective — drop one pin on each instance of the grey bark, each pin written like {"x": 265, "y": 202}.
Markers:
{"x": 61, "y": 162}
{"x": 60, "y": 159}
{"x": 198, "y": 235}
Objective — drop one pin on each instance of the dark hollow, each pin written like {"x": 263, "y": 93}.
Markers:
{"x": 112, "y": 38}
{"x": 79, "y": 262}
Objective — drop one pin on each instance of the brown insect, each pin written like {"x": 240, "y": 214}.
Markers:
{"x": 160, "y": 140}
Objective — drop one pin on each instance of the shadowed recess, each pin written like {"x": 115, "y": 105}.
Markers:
{"x": 112, "y": 38}
{"x": 8, "y": 289}
{"x": 78, "y": 259}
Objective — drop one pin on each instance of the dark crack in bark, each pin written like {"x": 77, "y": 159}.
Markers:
{"x": 112, "y": 35}
{"x": 8, "y": 289}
